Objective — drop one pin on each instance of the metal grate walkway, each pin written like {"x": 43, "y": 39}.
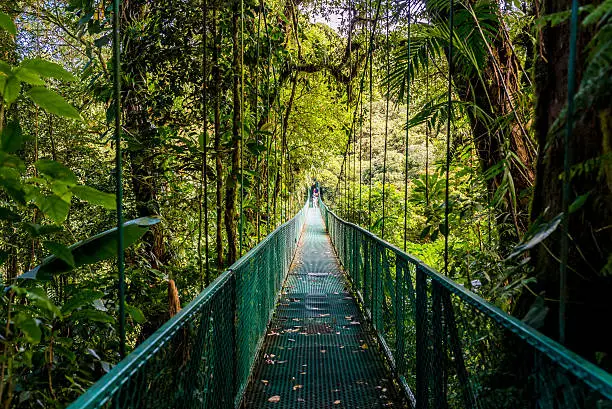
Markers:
{"x": 318, "y": 353}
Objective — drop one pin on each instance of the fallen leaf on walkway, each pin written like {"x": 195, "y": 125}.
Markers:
{"x": 264, "y": 381}
{"x": 274, "y": 398}
{"x": 364, "y": 346}
{"x": 296, "y": 387}
{"x": 337, "y": 402}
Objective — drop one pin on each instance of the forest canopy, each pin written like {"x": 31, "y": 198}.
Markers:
{"x": 231, "y": 111}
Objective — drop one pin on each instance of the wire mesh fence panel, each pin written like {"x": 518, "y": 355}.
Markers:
{"x": 203, "y": 356}
{"x": 449, "y": 348}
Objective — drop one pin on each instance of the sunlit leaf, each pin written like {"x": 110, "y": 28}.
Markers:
{"x": 47, "y": 69}
{"x": 95, "y": 197}
{"x": 100, "y": 247}
{"x": 56, "y": 171}
{"x": 543, "y": 231}
{"x": 11, "y": 138}
{"x": 80, "y": 299}
{"x": 28, "y": 327}
{"x": 136, "y": 314}
{"x": 7, "y": 24}
{"x": 60, "y": 251}
{"x": 52, "y": 102}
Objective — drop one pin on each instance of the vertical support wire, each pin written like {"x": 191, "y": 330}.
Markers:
{"x": 408, "y": 78}
{"x": 204, "y": 181}
{"x": 448, "y": 131}
{"x": 241, "y": 234}
{"x": 119, "y": 174}
{"x": 571, "y": 90}
{"x": 388, "y": 97}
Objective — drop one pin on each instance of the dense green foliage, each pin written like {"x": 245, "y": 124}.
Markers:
{"x": 230, "y": 116}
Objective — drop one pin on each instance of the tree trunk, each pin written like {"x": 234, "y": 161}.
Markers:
{"x": 588, "y": 285}
{"x": 218, "y": 163}
{"x": 145, "y": 172}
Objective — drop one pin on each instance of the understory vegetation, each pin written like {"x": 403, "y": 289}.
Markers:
{"x": 232, "y": 111}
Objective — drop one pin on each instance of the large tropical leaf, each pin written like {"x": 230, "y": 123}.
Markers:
{"x": 100, "y": 247}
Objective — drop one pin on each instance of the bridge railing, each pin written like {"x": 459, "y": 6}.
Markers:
{"x": 447, "y": 347}
{"x": 203, "y": 356}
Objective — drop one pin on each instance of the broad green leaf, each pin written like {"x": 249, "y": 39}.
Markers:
{"x": 56, "y": 171}
{"x": 81, "y": 299}
{"x": 53, "y": 206}
{"x": 40, "y": 299}
{"x": 136, "y": 314}
{"x": 95, "y": 197}
{"x": 29, "y": 76}
{"x": 29, "y": 327}
{"x": 542, "y": 232}
{"x": 53, "y": 102}
{"x": 60, "y": 251}
{"x": 47, "y": 69}
{"x": 38, "y": 230}
{"x": 12, "y": 88}
{"x": 92, "y": 315}
{"x": 11, "y": 138}
{"x": 579, "y": 202}
{"x": 5, "y": 68}
{"x": 100, "y": 247}
{"x": 7, "y": 24}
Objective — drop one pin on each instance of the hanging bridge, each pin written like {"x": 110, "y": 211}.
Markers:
{"x": 324, "y": 314}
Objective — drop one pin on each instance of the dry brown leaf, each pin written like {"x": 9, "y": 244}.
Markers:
{"x": 274, "y": 399}
{"x": 296, "y": 387}
{"x": 337, "y": 402}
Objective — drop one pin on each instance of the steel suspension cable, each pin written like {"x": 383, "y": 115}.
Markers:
{"x": 241, "y": 216}
{"x": 388, "y": 97}
{"x": 448, "y": 132}
{"x": 119, "y": 174}
{"x": 408, "y": 79}
{"x": 571, "y": 90}
{"x": 204, "y": 177}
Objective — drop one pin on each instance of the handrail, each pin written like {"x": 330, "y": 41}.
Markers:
{"x": 193, "y": 359}
{"x": 436, "y": 309}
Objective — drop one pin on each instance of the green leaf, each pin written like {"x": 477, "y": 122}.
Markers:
{"x": 579, "y": 202}
{"x": 136, "y": 314}
{"x": 12, "y": 88}
{"x": 81, "y": 299}
{"x": 56, "y": 171}
{"x": 92, "y": 315}
{"x": 60, "y": 251}
{"x": 5, "y": 68}
{"x": 7, "y": 24}
{"x": 29, "y": 327}
{"x": 425, "y": 232}
{"x": 53, "y": 102}
{"x": 53, "y": 206}
{"x": 11, "y": 138}
{"x": 47, "y": 69}
{"x": 40, "y": 299}
{"x": 38, "y": 230}
{"x": 100, "y": 247}
{"x": 541, "y": 232}
{"x": 95, "y": 197}
{"x": 29, "y": 76}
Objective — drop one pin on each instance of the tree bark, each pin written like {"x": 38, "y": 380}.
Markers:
{"x": 588, "y": 285}
{"x": 217, "y": 147}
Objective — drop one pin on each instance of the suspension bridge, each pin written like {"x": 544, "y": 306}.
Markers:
{"x": 324, "y": 314}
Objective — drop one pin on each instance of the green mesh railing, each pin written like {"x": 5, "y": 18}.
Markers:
{"x": 447, "y": 347}
{"x": 203, "y": 357}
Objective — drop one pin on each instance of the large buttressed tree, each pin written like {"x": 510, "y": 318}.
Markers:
{"x": 589, "y": 272}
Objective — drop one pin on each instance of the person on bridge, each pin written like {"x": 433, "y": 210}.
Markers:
{"x": 315, "y": 197}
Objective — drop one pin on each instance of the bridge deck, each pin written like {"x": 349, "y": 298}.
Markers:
{"x": 318, "y": 352}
